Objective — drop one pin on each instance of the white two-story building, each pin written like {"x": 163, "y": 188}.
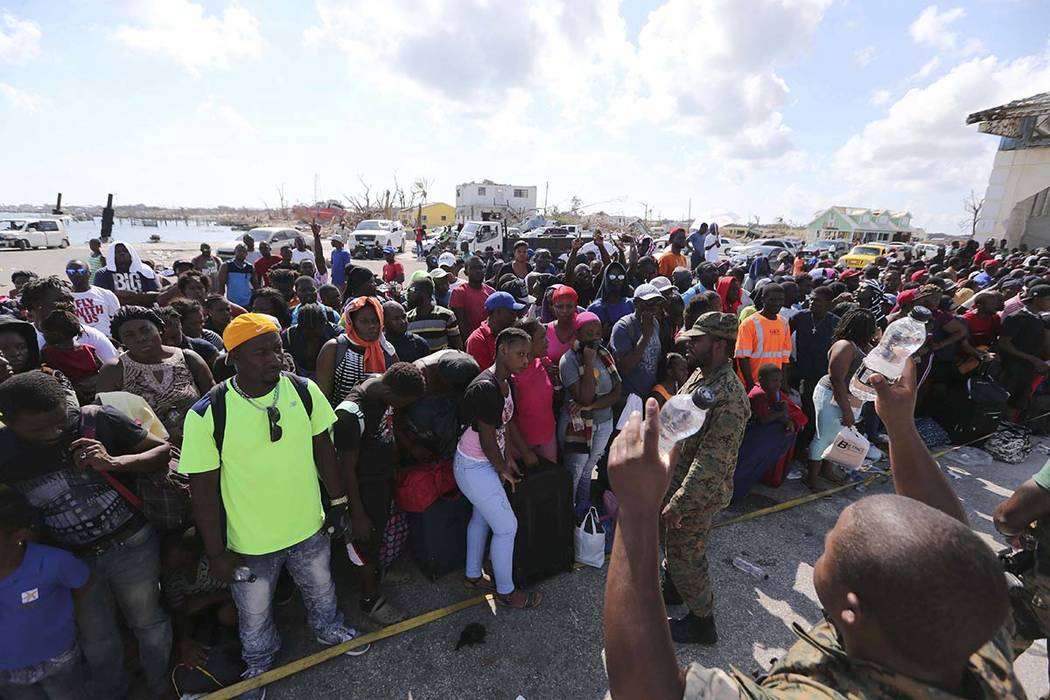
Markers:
{"x": 490, "y": 201}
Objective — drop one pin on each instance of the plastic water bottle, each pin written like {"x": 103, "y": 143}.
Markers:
{"x": 900, "y": 341}
{"x": 752, "y": 569}
{"x": 242, "y": 574}
{"x": 683, "y": 415}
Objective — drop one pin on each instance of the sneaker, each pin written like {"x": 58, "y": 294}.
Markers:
{"x": 874, "y": 453}
{"x": 256, "y": 693}
{"x": 382, "y": 611}
{"x": 694, "y": 630}
{"x": 797, "y": 472}
{"x": 345, "y": 634}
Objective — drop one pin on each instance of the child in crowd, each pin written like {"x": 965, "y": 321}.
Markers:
{"x": 61, "y": 351}
{"x": 39, "y": 656}
{"x": 769, "y": 404}
{"x": 675, "y": 372}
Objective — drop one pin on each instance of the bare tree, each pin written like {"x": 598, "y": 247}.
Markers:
{"x": 972, "y": 206}
{"x": 280, "y": 198}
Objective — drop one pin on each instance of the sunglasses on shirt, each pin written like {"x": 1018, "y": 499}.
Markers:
{"x": 274, "y": 418}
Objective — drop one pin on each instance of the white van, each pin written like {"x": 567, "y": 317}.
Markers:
{"x": 25, "y": 232}
{"x": 476, "y": 236}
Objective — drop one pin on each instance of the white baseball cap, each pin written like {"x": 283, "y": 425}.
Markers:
{"x": 661, "y": 283}
{"x": 446, "y": 260}
{"x": 646, "y": 292}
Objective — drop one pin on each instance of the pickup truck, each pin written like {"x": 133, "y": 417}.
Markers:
{"x": 25, "y": 232}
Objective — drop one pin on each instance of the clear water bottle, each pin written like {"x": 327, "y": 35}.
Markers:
{"x": 753, "y": 570}
{"x": 242, "y": 574}
{"x": 900, "y": 341}
{"x": 683, "y": 415}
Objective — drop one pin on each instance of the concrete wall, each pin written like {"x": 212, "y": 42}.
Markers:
{"x": 1016, "y": 176}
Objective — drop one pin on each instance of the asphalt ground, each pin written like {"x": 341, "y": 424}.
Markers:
{"x": 556, "y": 650}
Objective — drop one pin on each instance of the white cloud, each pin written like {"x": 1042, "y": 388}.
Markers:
{"x": 19, "y": 38}
{"x": 880, "y": 97}
{"x": 927, "y": 70}
{"x": 212, "y": 108}
{"x": 20, "y": 99}
{"x": 702, "y": 68}
{"x": 933, "y": 28}
{"x": 864, "y": 56}
{"x": 923, "y": 143}
{"x": 181, "y": 31}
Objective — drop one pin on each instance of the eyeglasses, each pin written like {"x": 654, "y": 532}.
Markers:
{"x": 274, "y": 417}
{"x": 617, "y": 277}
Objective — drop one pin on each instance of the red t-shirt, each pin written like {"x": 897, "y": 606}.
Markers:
{"x": 981, "y": 255}
{"x": 481, "y": 345}
{"x": 392, "y": 270}
{"x": 472, "y": 301}
{"x": 533, "y": 403}
{"x": 262, "y": 267}
{"x": 983, "y": 330}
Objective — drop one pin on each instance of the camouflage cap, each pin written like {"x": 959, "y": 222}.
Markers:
{"x": 714, "y": 323}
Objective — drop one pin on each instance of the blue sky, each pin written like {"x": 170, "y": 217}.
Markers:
{"x": 747, "y": 107}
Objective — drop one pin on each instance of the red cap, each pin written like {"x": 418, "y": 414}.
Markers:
{"x": 849, "y": 274}
{"x": 917, "y": 276}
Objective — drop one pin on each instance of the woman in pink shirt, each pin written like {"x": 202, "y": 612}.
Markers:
{"x": 561, "y": 332}
{"x": 535, "y": 387}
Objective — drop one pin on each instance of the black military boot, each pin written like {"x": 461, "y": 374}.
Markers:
{"x": 694, "y": 630}
{"x": 671, "y": 594}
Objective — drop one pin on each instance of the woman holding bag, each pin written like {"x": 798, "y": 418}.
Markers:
{"x": 834, "y": 405}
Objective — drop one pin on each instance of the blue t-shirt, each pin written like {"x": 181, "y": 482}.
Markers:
{"x": 611, "y": 313}
{"x": 239, "y": 282}
{"x": 36, "y": 606}
{"x": 340, "y": 259}
{"x": 625, "y": 335}
{"x": 689, "y": 294}
{"x": 696, "y": 240}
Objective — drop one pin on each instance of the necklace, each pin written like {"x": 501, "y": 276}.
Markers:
{"x": 249, "y": 399}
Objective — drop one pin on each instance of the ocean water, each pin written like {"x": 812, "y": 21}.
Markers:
{"x": 80, "y": 232}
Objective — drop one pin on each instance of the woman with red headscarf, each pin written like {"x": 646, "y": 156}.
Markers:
{"x": 729, "y": 289}
{"x": 346, "y": 361}
{"x": 561, "y": 332}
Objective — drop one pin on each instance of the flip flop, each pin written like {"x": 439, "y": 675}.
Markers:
{"x": 532, "y": 600}
{"x": 482, "y": 582}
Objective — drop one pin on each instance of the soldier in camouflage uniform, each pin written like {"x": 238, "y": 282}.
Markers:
{"x": 1024, "y": 519}
{"x": 703, "y": 478}
{"x": 898, "y": 623}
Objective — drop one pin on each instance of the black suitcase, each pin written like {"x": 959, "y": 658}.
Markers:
{"x": 544, "y": 545}
{"x": 438, "y": 536}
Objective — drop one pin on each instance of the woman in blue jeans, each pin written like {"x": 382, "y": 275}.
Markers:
{"x": 481, "y": 467}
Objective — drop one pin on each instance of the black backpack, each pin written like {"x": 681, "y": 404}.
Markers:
{"x": 217, "y": 399}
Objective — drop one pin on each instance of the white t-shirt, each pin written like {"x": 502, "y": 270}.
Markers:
{"x": 96, "y": 307}
{"x": 252, "y": 256}
{"x": 90, "y": 336}
{"x": 299, "y": 255}
{"x": 711, "y": 251}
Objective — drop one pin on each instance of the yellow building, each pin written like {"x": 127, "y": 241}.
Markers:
{"x": 433, "y": 214}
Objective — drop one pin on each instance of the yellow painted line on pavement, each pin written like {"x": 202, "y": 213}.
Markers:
{"x": 306, "y": 662}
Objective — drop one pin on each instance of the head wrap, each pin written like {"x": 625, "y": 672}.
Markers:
{"x": 722, "y": 287}
{"x": 247, "y": 326}
{"x": 136, "y": 262}
{"x": 375, "y": 359}
{"x": 585, "y": 318}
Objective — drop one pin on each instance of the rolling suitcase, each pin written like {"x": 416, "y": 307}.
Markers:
{"x": 544, "y": 543}
{"x": 438, "y": 536}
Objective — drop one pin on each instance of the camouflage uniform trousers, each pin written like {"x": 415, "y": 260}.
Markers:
{"x": 686, "y": 549}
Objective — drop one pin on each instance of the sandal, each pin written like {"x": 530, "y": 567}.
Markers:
{"x": 482, "y": 582}
{"x": 532, "y": 600}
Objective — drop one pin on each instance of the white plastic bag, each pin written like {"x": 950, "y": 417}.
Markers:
{"x": 590, "y": 541}
{"x": 633, "y": 403}
{"x": 849, "y": 448}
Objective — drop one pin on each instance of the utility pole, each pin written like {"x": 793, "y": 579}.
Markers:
{"x": 546, "y": 190}
{"x": 58, "y": 205}
{"x": 689, "y": 217}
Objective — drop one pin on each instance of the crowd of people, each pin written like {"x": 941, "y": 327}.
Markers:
{"x": 179, "y": 452}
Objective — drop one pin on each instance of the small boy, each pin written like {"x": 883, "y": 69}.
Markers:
{"x": 61, "y": 351}
{"x": 768, "y": 404}
{"x": 39, "y": 655}
{"x": 676, "y": 371}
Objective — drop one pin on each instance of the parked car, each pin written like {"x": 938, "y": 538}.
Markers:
{"x": 276, "y": 236}
{"x": 377, "y": 233}
{"x": 835, "y": 248}
{"x": 924, "y": 251}
{"x": 863, "y": 255}
{"x": 25, "y": 232}
{"x": 766, "y": 247}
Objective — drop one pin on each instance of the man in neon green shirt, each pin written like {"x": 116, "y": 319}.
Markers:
{"x": 264, "y": 473}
